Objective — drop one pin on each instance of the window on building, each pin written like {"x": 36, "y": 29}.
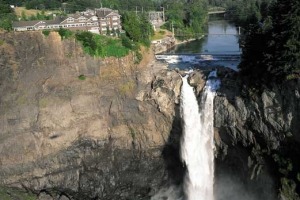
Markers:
{"x": 82, "y": 19}
{"x": 70, "y": 20}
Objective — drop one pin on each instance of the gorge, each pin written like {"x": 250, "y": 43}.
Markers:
{"x": 116, "y": 134}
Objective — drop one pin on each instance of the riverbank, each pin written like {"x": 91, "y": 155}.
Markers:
{"x": 188, "y": 40}
{"x": 169, "y": 42}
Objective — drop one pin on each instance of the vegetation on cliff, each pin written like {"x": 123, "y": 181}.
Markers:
{"x": 101, "y": 46}
{"x": 14, "y": 193}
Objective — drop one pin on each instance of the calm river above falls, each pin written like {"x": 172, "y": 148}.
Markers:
{"x": 220, "y": 48}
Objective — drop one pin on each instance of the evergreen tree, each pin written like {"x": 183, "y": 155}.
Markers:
{"x": 137, "y": 27}
{"x": 272, "y": 48}
{"x": 286, "y": 37}
{"x": 6, "y": 15}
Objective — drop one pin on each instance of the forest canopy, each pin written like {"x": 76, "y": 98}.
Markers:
{"x": 272, "y": 45}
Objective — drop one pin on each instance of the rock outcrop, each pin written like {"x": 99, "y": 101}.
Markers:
{"x": 257, "y": 133}
{"x": 99, "y": 135}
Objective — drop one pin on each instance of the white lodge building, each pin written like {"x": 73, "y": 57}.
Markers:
{"x": 97, "y": 21}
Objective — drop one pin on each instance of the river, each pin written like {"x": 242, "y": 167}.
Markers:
{"x": 222, "y": 39}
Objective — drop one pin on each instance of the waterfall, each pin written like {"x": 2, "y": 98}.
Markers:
{"x": 197, "y": 145}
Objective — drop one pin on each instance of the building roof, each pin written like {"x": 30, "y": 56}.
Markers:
{"x": 57, "y": 20}
{"x": 103, "y": 12}
{"x": 27, "y": 23}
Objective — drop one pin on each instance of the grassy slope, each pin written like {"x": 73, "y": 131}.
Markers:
{"x": 160, "y": 34}
{"x": 19, "y": 10}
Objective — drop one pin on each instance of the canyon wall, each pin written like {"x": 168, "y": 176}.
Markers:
{"x": 79, "y": 127}
{"x": 257, "y": 133}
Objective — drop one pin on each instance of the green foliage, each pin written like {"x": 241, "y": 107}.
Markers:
{"x": 272, "y": 48}
{"x": 288, "y": 189}
{"x": 132, "y": 133}
{"x": 138, "y": 57}
{"x": 126, "y": 42}
{"x": 38, "y": 16}
{"x": 287, "y": 164}
{"x": 101, "y": 46}
{"x": 12, "y": 194}
{"x": 23, "y": 16}
{"x": 46, "y": 32}
{"x": 108, "y": 31}
{"x": 131, "y": 5}
{"x": 292, "y": 76}
{"x": 137, "y": 27}
{"x": 65, "y": 33}
{"x": 81, "y": 77}
{"x": 6, "y": 15}
{"x": 187, "y": 19}
{"x": 162, "y": 32}
{"x": 42, "y": 4}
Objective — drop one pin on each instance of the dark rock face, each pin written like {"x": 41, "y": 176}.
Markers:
{"x": 254, "y": 130}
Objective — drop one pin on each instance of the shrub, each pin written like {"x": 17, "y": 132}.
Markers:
{"x": 292, "y": 76}
{"x": 126, "y": 42}
{"x": 81, "y": 77}
{"x": 64, "y": 33}
{"x": 162, "y": 32}
{"x": 132, "y": 133}
{"x": 46, "y": 32}
{"x": 102, "y": 46}
{"x": 138, "y": 57}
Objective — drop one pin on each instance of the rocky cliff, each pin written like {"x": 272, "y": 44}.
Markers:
{"x": 257, "y": 133}
{"x": 73, "y": 126}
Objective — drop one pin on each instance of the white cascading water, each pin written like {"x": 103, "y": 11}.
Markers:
{"x": 197, "y": 145}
